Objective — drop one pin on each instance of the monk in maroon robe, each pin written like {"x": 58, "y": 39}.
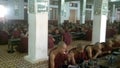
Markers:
{"x": 89, "y": 35}
{"x": 67, "y": 38}
{"x": 107, "y": 47}
{"x": 23, "y": 47}
{"x": 77, "y": 55}
{"x": 3, "y": 37}
{"x": 50, "y": 42}
{"x": 116, "y": 42}
{"x": 58, "y": 56}
{"x": 93, "y": 51}
{"x": 16, "y": 33}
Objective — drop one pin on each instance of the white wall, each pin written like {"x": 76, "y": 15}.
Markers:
{"x": 117, "y": 15}
{"x": 75, "y": 8}
{"x": 52, "y": 13}
{"x": 10, "y": 4}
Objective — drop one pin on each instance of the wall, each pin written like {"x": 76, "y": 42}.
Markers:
{"x": 15, "y": 9}
{"x": 118, "y": 15}
{"x": 53, "y": 12}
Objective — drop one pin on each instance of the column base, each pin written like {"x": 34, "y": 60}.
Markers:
{"x": 33, "y": 61}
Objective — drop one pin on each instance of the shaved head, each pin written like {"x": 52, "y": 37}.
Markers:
{"x": 98, "y": 45}
{"x": 80, "y": 46}
{"x": 62, "y": 46}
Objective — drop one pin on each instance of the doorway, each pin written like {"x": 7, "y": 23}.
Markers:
{"x": 72, "y": 17}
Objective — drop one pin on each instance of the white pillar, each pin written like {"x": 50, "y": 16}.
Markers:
{"x": 67, "y": 11}
{"x": 113, "y": 13}
{"x": 38, "y": 31}
{"x": 99, "y": 22}
{"x": 49, "y": 8}
{"x": 82, "y": 11}
{"x": 78, "y": 11}
{"x": 61, "y": 11}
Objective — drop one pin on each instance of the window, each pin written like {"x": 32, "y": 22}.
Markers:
{"x": 118, "y": 9}
{"x": 54, "y": 2}
{"x": 89, "y": 6}
{"x": 73, "y": 5}
{"x": 53, "y": 13}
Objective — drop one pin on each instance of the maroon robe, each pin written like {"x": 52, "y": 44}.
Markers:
{"x": 16, "y": 34}
{"x": 106, "y": 48}
{"x": 93, "y": 51}
{"x": 108, "y": 33}
{"x": 79, "y": 57}
{"x": 89, "y": 35}
{"x": 59, "y": 60}
{"x": 116, "y": 44}
{"x": 3, "y": 37}
{"x": 23, "y": 47}
{"x": 50, "y": 42}
{"x": 67, "y": 38}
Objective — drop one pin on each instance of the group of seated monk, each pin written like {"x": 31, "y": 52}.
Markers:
{"x": 61, "y": 56}
{"x": 20, "y": 38}
{"x": 55, "y": 37}
{"x": 67, "y": 35}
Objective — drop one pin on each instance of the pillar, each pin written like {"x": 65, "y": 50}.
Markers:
{"x": 49, "y": 9}
{"x": 66, "y": 11}
{"x": 38, "y": 31}
{"x": 99, "y": 22}
{"x": 113, "y": 13}
{"x": 61, "y": 11}
{"x": 82, "y": 11}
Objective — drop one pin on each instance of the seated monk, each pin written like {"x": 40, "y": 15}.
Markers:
{"x": 93, "y": 51}
{"x": 58, "y": 56}
{"x": 89, "y": 35}
{"x": 67, "y": 37}
{"x": 50, "y": 41}
{"x": 57, "y": 36}
{"x": 16, "y": 33}
{"x": 77, "y": 55}
{"x": 116, "y": 42}
{"x": 107, "y": 47}
{"x": 3, "y": 37}
{"x": 23, "y": 47}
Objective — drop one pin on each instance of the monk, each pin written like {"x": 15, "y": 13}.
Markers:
{"x": 93, "y": 51}
{"x": 116, "y": 42}
{"x": 77, "y": 55}
{"x": 57, "y": 36}
{"x": 107, "y": 47}
{"x": 58, "y": 56}
{"x": 16, "y": 33}
{"x": 50, "y": 41}
{"x": 67, "y": 37}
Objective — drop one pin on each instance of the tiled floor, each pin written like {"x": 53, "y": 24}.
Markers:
{"x": 16, "y": 59}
